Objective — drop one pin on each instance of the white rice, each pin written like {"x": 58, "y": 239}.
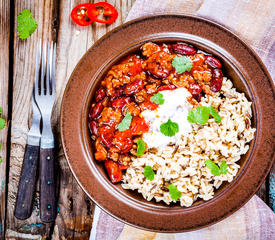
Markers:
{"x": 184, "y": 166}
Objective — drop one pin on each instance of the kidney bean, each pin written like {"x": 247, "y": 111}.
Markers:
{"x": 133, "y": 87}
{"x": 212, "y": 62}
{"x": 106, "y": 138}
{"x": 216, "y": 82}
{"x": 94, "y": 128}
{"x": 113, "y": 170}
{"x": 120, "y": 102}
{"x": 96, "y": 110}
{"x": 183, "y": 48}
{"x": 217, "y": 73}
{"x": 100, "y": 94}
{"x": 157, "y": 70}
{"x": 197, "y": 97}
{"x": 194, "y": 88}
{"x": 166, "y": 87}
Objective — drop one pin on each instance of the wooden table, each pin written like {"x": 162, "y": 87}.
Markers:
{"x": 17, "y": 60}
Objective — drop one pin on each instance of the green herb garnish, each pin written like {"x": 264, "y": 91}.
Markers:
{"x": 169, "y": 128}
{"x": 26, "y": 24}
{"x": 215, "y": 114}
{"x": 125, "y": 123}
{"x": 149, "y": 173}
{"x": 182, "y": 64}
{"x": 174, "y": 192}
{"x": 157, "y": 98}
{"x": 215, "y": 169}
{"x": 201, "y": 115}
{"x": 140, "y": 147}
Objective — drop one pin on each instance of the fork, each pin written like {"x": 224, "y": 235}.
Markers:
{"x": 45, "y": 97}
{"x": 23, "y": 206}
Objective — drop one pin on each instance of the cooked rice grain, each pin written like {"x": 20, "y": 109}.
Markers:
{"x": 185, "y": 167}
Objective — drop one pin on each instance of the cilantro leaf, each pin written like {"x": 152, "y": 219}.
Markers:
{"x": 174, "y": 192}
{"x": 140, "y": 147}
{"x": 223, "y": 168}
{"x": 169, "y": 128}
{"x": 215, "y": 169}
{"x": 1, "y": 160}
{"x": 125, "y": 123}
{"x": 182, "y": 64}
{"x": 26, "y": 24}
{"x": 149, "y": 173}
{"x": 199, "y": 115}
{"x": 157, "y": 98}
{"x": 215, "y": 114}
{"x": 2, "y": 123}
{"x": 1, "y": 110}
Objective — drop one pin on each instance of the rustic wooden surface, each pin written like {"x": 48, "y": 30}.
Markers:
{"x": 75, "y": 216}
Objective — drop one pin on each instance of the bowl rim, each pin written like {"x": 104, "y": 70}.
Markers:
{"x": 62, "y": 119}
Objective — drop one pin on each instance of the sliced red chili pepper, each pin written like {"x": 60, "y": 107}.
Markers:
{"x": 80, "y": 15}
{"x": 109, "y": 12}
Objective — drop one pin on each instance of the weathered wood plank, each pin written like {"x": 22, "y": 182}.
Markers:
{"x": 4, "y": 90}
{"x": 23, "y": 76}
{"x": 74, "y": 220}
{"x": 75, "y": 215}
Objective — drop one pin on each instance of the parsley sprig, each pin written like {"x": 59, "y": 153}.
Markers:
{"x": 149, "y": 173}
{"x": 169, "y": 128}
{"x": 215, "y": 169}
{"x": 157, "y": 98}
{"x": 174, "y": 192}
{"x": 26, "y": 24}
{"x": 182, "y": 64}
{"x": 140, "y": 147}
{"x": 201, "y": 115}
{"x": 125, "y": 123}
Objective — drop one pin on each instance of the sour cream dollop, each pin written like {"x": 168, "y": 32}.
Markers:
{"x": 175, "y": 108}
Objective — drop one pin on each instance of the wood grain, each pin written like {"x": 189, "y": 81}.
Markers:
{"x": 75, "y": 210}
{"x": 4, "y": 90}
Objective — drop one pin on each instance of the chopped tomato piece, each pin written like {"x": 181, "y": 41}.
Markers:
{"x": 113, "y": 170}
{"x": 137, "y": 68}
{"x": 106, "y": 135}
{"x": 108, "y": 11}
{"x": 148, "y": 105}
{"x": 123, "y": 140}
{"x": 80, "y": 16}
{"x": 139, "y": 126}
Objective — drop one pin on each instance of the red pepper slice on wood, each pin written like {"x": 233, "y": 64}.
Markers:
{"x": 80, "y": 15}
{"x": 109, "y": 12}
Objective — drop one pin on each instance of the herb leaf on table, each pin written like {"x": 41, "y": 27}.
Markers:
{"x": 26, "y": 24}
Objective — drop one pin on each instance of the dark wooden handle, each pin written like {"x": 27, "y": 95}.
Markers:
{"x": 23, "y": 206}
{"x": 47, "y": 186}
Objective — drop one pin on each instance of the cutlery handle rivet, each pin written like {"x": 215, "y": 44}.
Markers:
{"x": 48, "y": 158}
{"x": 49, "y": 182}
{"x": 27, "y": 181}
{"x": 49, "y": 206}
{"x": 23, "y": 205}
{"x": 30, "y": 157}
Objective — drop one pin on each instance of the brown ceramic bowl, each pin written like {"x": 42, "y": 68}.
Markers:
{"x": 240, "y": 64}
